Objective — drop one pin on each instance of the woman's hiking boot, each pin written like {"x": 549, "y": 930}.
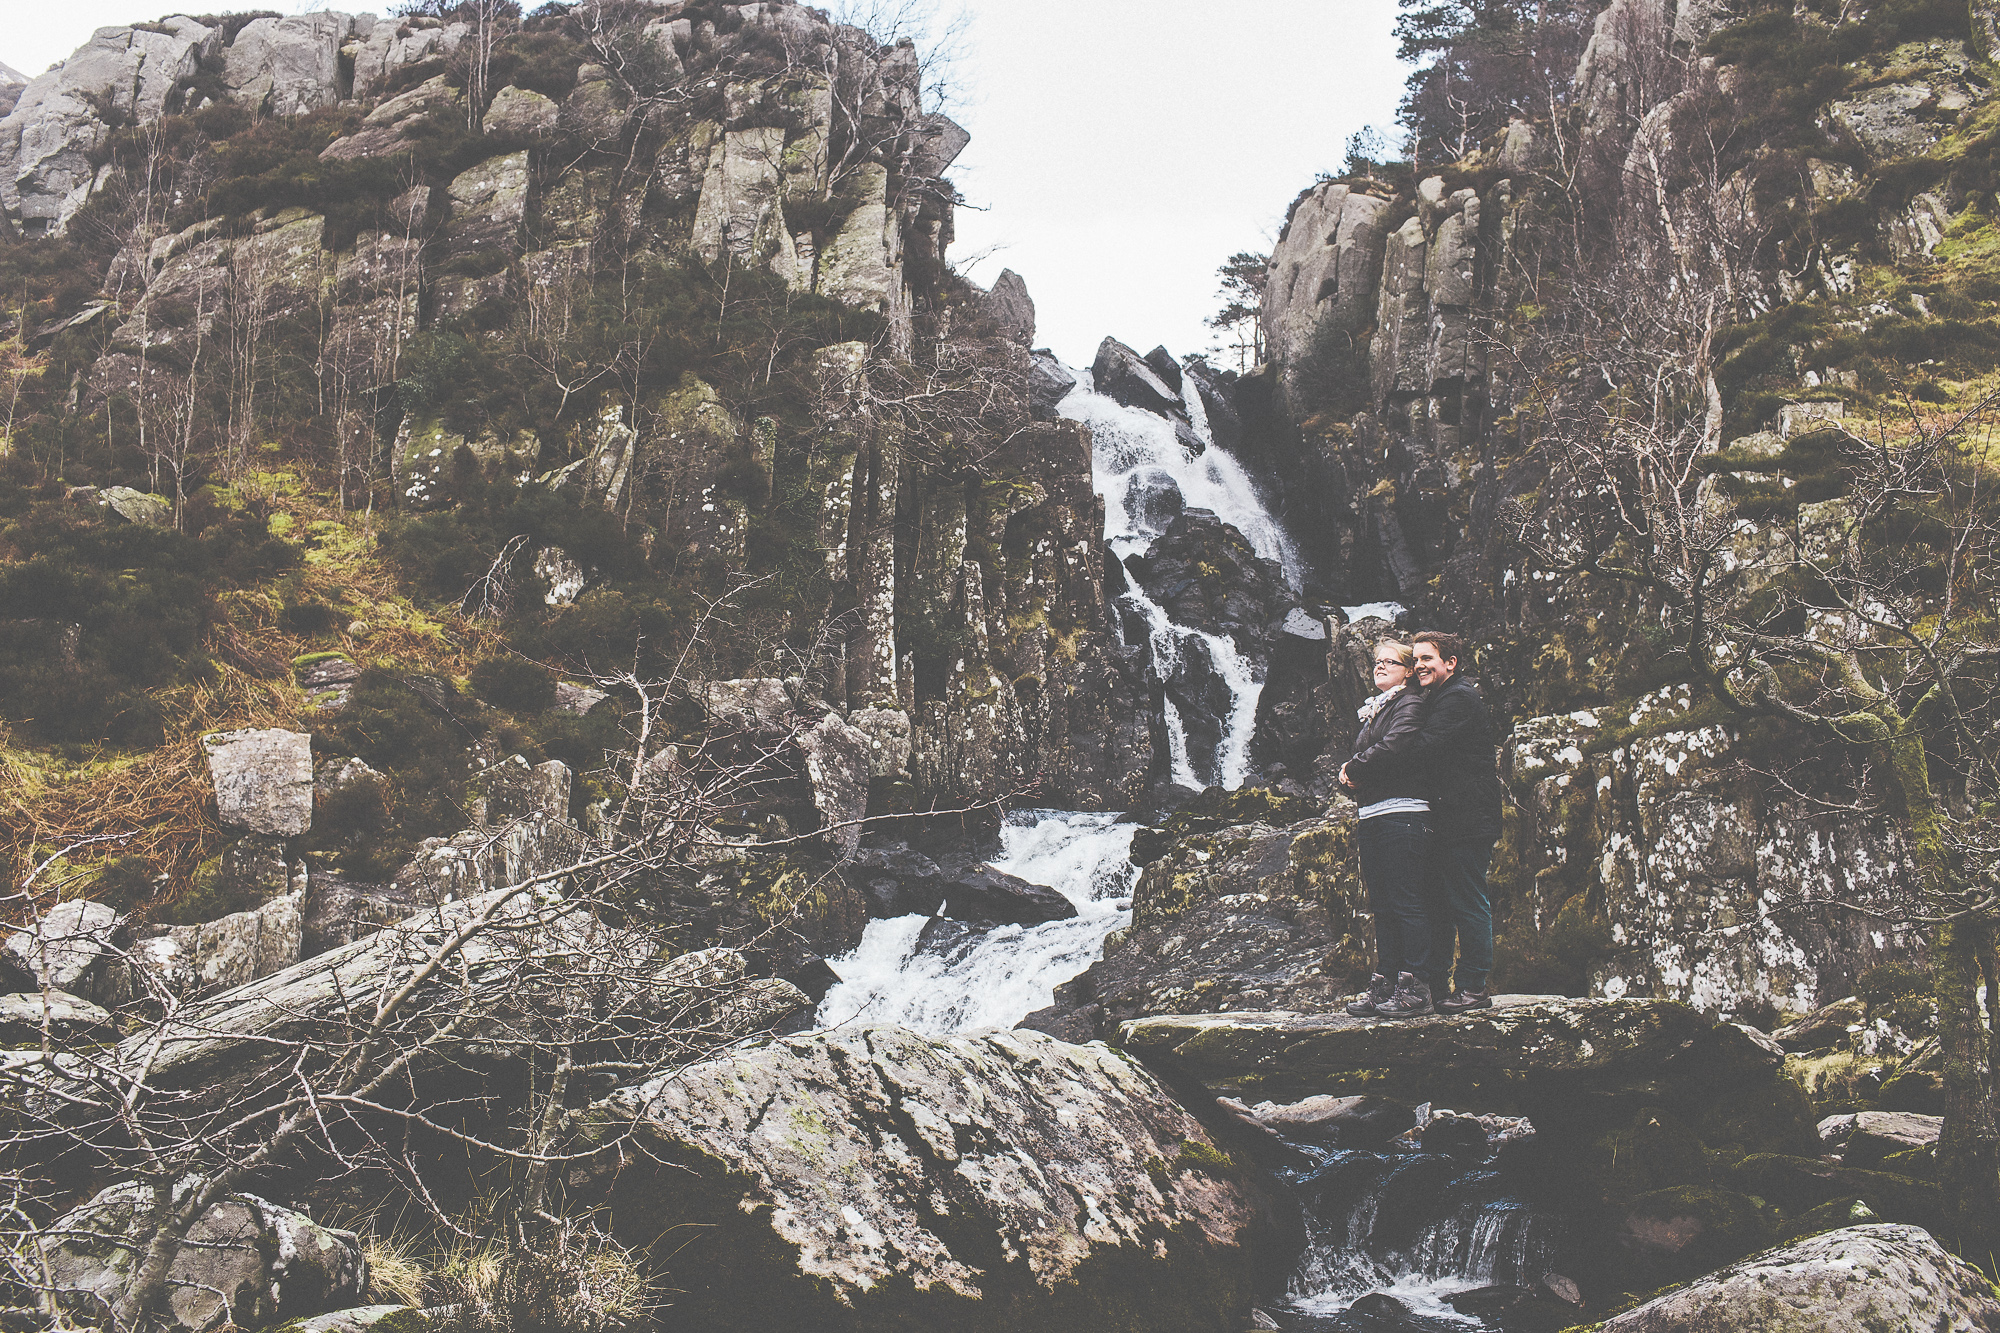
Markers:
{"x": 1461, "y": 1001}
{"x": 1380, "y": 989}
{"x": 1412, "y": 998}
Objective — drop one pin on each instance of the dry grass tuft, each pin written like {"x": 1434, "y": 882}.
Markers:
{"x": 396, "y": 1271}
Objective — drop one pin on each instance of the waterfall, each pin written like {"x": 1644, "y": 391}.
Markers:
{"x": 1419, "y": 1228}
{"x": 940, "y": 976}
{"x": 1136, "y": 457}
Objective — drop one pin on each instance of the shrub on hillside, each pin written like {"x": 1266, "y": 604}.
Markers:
{"x": 514, "y": 683}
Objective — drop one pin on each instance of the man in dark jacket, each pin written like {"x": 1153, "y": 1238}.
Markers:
{"x": 1458, "y": 749}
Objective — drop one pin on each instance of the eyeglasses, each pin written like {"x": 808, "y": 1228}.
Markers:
{"x": 1387, "y": 662}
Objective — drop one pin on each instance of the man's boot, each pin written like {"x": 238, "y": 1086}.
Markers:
{"x": 1412, "y": 997}
{"x": 1380, "y": 988}
{"x": 1463, "y": 1000}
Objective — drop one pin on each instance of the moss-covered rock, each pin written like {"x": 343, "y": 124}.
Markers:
{"x": 1688, "y": 1229}
{"x": 872, "y": 1178}
{"x": 1798, "y": 1184}
{"x": 1238, "y": 917}
{"x": 1857, "y": 1278}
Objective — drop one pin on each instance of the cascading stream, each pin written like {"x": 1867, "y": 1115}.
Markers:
{"x": 941, "y": 976}
{"x": 1135, "y": 456}
{"x": 1417, "y": 1228}
{"x": 938, "y": 975}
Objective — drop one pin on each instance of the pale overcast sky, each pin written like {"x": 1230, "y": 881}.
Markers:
{"x": 1121, "y": 149}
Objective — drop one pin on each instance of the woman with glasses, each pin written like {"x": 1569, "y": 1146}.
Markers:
{"x": 1394, "y": 834}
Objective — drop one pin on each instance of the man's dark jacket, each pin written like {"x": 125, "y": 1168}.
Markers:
{"x": 1458, "y": 752}
{"x": 1384, "y": 765}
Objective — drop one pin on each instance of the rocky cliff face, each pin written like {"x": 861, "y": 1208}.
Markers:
{"x": 1390, "y": 406}
{"x": 760, "y": 140}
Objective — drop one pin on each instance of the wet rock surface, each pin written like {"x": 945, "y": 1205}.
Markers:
{"x": 868, "y": 1175}
{"x": 1238, "y": 907}
{"x": 897, "y": 881}
{"x": 1527, "y": 1051}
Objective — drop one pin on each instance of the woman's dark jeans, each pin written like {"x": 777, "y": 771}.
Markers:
{"x": 1393, "y": 853}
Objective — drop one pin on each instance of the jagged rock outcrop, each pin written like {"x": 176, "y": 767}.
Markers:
{"x": 1707, "y": 891}
{"x": 46, "y": 141}
{"x": 993, "y": 1181}
{"x": 1846, "y": 1281}
{"x": 289, "y": 66}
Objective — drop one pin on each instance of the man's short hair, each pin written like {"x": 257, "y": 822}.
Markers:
{"x": 1448, "y": 646}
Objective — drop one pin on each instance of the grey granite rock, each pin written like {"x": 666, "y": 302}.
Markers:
{"x": 263, "y": 780}
{"x": 1855, "y": 1280}
{"x": 998, "y": 1180}
{"x": 247, "y": 1258}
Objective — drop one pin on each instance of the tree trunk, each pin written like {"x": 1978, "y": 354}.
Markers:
{"x": 1968, "y": 1150}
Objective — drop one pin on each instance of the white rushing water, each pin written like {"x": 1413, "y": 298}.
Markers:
{"x": 1446, "y": 1237}
{"x": 969, "y": 977}
{"x": 1135, "y": 455}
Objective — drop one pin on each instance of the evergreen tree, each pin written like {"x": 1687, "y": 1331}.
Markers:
{"x": 1480, "y": 62}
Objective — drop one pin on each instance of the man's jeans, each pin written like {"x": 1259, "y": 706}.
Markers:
{"x": 1392, "y": 867}
{"x": 1461, "y": 916}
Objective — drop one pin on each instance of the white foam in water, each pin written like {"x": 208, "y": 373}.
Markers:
{"x": 1129, "y": 447}
{"x": 1127, "y": 442}
{"x": 1011, "y": 971}
{"x": 1379, "y": 610}
{"x": 1471, "y": 1245}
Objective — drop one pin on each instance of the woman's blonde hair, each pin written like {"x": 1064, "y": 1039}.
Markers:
{"x": 1405, "y": 654}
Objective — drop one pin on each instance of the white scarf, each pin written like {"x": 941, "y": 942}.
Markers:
{"x": 1374, "y": 705}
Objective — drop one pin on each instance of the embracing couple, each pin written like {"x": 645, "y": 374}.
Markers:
{"x": 1423, "y": 774}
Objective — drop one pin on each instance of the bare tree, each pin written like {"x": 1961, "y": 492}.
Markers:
{"x": 572, "y": 977}
{"x": 1861, "y": 623}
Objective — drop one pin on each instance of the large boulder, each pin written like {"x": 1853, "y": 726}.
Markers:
{"x": 895, "y": 881}
{"x": 66, "y": 944}
{"x": 263, "y": 780}
{"x": 246, "y": 1260}
{"x": 988, "y": 895}
{"x": 1855, "y": 1280}
{"x": 836, "y": 763}
{"x": 288, "y": 66}
{"x": 338, "y": 911}
{"x": 1010, "y": 308}
{"x": 1048, "y": 385}
{"x": 871, "y": 1177}
{"x": 152, "y": 511}
{"x": 1870, "y": 1137}
{"x": 66, "y": 1018}
{"x": 1122, "y": 375}
{"x": 489, "y": 202}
